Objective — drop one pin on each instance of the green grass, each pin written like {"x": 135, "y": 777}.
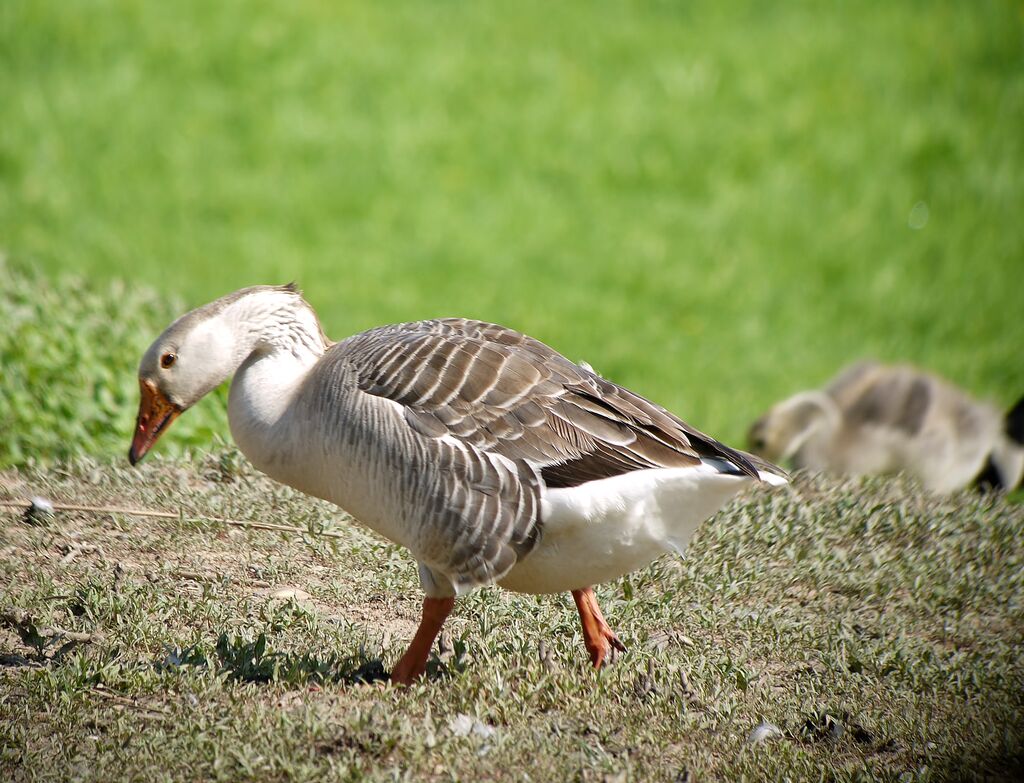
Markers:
{"x": 711, "y": 203}
{"x": 69, "y": 349}
{"x": 878, "y": 630}
{"x": 715, "y": 204}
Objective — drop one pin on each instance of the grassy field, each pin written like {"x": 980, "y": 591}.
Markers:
{"x": 879, "y": 632}
{"x": 713, "y": 203}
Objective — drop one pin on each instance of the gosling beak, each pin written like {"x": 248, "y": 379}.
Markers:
{"x": 156, "y": 413}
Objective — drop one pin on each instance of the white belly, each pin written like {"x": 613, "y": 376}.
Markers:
{"x": 604, "y": 529}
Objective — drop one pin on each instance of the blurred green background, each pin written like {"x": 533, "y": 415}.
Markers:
{"x": 714, "y": 203}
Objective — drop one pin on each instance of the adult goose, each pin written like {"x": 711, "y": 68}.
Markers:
{"x": 487, "y": 454}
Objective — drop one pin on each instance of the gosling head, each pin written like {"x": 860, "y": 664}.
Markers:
{"x": 780, "y": 433}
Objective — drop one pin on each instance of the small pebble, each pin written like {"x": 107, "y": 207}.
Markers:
{"x": 289, "y": 593}
{"x": 462, "y": 726}
{"x": 39, "y": 512}
{"x": 762, "y": 732}
{"x": 42, "y": 505}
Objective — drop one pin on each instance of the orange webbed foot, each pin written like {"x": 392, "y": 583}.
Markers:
{"x": 600, "y": 640}
{"x": 413, "y": 663}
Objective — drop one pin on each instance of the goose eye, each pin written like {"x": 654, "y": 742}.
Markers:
{"x": 167, "y": 360}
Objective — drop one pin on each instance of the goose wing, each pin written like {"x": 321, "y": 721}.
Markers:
{"x": 502, "y": 392}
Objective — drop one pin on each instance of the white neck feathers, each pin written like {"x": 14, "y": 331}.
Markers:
{"x": 273, "y": 320}
{"x": 278, "y": 340}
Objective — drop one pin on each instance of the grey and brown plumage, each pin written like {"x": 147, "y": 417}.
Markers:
{"x": 492, "y": 457}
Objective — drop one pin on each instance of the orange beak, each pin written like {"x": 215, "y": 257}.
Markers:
{"x": 156, "y": 413}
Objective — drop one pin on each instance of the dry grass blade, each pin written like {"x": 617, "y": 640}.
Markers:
{"x": 25, "y": 505}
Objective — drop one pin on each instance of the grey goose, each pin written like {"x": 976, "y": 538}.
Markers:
{"x": 490, "y": 456}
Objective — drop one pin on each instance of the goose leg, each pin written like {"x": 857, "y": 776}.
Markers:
{"x": 597, "y": 634}
{"x": 414, "y": 662}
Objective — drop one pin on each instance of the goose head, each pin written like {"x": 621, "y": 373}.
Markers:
{"x": 203, "y": 348}
{"x": 193, "y": 356}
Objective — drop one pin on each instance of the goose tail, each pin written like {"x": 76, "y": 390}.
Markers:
{"x": 768, "y": 473}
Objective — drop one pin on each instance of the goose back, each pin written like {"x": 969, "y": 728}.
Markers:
{"x": 500, "y": 391}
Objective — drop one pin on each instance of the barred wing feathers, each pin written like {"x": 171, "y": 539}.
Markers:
{"x": 500, "y": 391}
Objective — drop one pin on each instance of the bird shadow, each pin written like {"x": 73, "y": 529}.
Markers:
{"x": 252, "y": 661}
{"x": 240, "y": 659}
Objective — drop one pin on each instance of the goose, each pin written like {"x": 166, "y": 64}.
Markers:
{"x": 874, "y": 418}
{"x": 488, "y": 455}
